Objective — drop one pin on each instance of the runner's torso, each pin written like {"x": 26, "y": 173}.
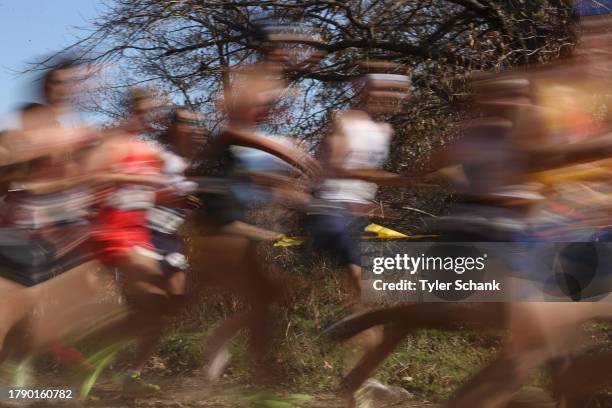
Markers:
{"x": 121, "y": 219}
{"x": 366, "y": 147}
{"x": 166, "y": 219}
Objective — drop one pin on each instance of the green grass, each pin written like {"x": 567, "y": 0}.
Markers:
{"x": 182, "y": 351}
{"x": 431, "y": 364}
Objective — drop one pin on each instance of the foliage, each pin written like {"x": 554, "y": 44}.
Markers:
{"x": 185, "y": 47}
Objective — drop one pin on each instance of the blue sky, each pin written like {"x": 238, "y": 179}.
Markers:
{"x": 30, "y": 29}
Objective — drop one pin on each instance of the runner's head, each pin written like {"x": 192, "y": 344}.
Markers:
{"x": 288, "y": 46}
{"x": 184, "y": 132}
{"x": 250, "y": 101}
{"x": 58, "y": 82}
{"x": 141, "y": 104}
{"x": 502, "y": 96}
{"x": 383, "y": 88}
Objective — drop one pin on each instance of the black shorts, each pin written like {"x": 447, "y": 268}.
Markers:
{"x": 603, "y": 235}
{"x": 336, "y": 236}
{"x": 221, "y": 209}
{"x": 171, "y": 249}
{"x": 37, "y": 261}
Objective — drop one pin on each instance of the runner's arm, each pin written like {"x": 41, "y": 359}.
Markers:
{"x": 48, "y": 186}
{"x": 380, "y": 177}
{"x": 296, "y": 158}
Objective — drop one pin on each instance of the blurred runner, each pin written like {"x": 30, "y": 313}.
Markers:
{"x": 45, "y": 230}
{"x": 352, "y": 156}
{"x": 225, "y": 253}
{"x": 165, "y": 220}
{"x": 123, "y": 241}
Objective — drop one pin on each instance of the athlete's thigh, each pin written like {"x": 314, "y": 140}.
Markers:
{"x": 8, "y": 286}
{"x": 220, "y": 259}
{"x": 74, "y": 305}
{"x": 554, "y": 327}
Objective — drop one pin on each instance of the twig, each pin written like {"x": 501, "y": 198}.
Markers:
{"x": 418, "y": 211}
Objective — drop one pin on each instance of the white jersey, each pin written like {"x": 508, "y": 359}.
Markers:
{"x": 174, "y": 168}
{"x": 43, "y": 210}
{"x": 164, "y": 219}
{"x": 367, "y": 147}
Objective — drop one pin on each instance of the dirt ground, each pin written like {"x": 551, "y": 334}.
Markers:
{"x": 192, "y": 391}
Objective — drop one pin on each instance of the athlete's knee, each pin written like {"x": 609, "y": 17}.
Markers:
{"x": 144, "y": 294}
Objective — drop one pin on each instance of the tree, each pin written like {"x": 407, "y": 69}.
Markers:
{"x": 185, "y": 46}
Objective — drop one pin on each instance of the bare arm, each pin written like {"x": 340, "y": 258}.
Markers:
{"x": 48, "y": 186}
{"x": 295, "y": 157}
{"x": 380, "y": 177}
{"x": 19, "y": 146}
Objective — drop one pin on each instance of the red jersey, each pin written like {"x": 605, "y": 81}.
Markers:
{"x": 121, "y": 221}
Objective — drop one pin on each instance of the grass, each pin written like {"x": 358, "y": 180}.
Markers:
{"x": 430, "y": 364}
